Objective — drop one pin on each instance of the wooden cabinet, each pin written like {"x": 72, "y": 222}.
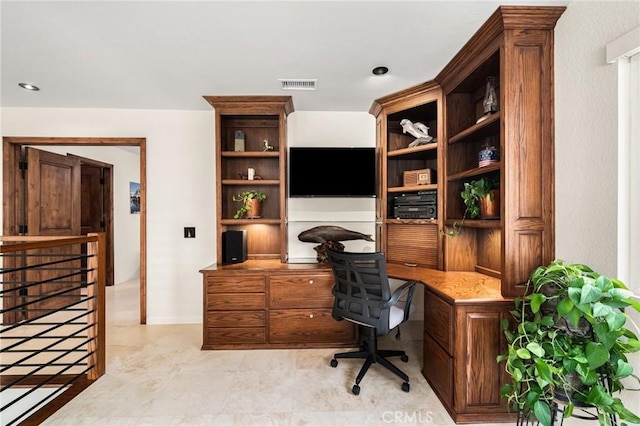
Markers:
{"x": 461, "y": 342}
{"x": 269, "y": 304}
{"x": 515, "y": 46}
{"x": 261, "y": 122}
{"x": 463, "y": 333}
{"x": 411, "y": 240}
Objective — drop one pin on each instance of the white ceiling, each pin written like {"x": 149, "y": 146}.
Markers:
{"x": 168, "y": 54}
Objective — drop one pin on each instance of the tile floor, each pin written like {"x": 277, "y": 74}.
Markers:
{"x": 157, "y": 375}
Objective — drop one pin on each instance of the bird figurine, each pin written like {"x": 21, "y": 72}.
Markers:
{"x": 418, "y": 131}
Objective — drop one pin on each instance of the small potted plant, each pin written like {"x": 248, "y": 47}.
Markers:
{"x": 481, "y": 199}
{"x": 251, "y": 204}
{"x": 568, "y": 345}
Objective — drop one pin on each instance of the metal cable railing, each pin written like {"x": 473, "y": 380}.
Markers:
{"x": 52, "y": 329}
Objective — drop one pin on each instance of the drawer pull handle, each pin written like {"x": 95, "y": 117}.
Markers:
{"x": 310, "y": 281}
{"x": 410, "y": 264}
{"x": 311, "y": 316}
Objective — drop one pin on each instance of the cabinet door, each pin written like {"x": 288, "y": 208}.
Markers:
{"x": 479, "y": 341}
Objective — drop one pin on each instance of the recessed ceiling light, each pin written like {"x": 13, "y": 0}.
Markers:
{"x": 28, "y": 86}
{"x": 380, "y": 70}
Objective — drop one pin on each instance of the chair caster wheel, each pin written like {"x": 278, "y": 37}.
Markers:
{"x": 356, "y": 389}
{"x": 404, "y": 358}
{"x": 405, "y": 387}
{"x": 334, "y": 363}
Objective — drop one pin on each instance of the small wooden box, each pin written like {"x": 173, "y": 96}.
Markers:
{"x": 418, "y": 177}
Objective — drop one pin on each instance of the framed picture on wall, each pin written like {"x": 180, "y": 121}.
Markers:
{"x": 134, "y": 197}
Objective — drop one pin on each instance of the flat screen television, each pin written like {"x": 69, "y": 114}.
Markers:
{"x": 332, "y": 172}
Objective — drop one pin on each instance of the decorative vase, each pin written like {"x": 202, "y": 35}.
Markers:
{"x": 490, "y": 209}
{"x": 255, "y": 209}
{"x": 488, "y": 155}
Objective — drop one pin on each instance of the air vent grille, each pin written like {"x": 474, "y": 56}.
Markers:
{"x": 298, "y": 84}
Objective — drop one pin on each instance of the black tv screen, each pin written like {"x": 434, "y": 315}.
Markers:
{"x": 332, "y": 172}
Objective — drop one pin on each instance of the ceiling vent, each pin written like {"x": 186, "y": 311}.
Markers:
{"x": 298, "y": 83}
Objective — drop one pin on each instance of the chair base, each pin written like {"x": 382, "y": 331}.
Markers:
{"x": 370, "y": 353}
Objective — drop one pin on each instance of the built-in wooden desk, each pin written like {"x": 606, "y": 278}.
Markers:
{"x": 463, "y": 313}
{"x": 269, "y": 304}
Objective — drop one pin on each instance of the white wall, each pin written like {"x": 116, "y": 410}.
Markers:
{"x": 330, "y": 129}
{"x": 586, "y": 133}
{"x": 180, "y": 192}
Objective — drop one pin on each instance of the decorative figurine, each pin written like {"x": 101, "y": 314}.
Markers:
{"x": 490, "y": 103}
{"x": 418, "y": 131}
{"x": 267, "y": 147}
{"x": 238, "y": 144}
{"x": 329, "y": 237}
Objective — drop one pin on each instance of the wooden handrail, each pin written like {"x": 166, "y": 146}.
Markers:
{"x": 12, "y": 244}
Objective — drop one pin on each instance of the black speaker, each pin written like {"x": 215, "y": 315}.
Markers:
{"x": 234, "y": 246}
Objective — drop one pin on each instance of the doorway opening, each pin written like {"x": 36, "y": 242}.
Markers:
{"x": 12, "y": 147}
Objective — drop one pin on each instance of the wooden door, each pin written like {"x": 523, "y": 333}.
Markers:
{"x": 96, "y": 206}
{"x": 91, "y": 210}
{"x": 52, "y": 201}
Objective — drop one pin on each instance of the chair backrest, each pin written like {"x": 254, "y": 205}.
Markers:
{"x": 361, "y": 287}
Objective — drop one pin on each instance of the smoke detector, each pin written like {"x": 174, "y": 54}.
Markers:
{"x": 298, "y": 83}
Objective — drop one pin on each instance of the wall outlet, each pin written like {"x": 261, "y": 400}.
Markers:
{"x": 189, "y": 232}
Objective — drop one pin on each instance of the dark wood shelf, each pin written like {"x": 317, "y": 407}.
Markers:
{"x": 477, "y": 171}
{"x": 476, "y": 223}
{"x": 413, "y": 150}
{"x": 413, "y": 188}
{"x": 479, "y": 130}
{"x": 412, "y": 221}
{"x": 250, "y": 154}
{"x": 262, "y": 221}
{"x": 246, "y": 182}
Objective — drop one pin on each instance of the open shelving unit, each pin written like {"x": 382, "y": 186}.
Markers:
{"x": 412, "y": 241}
{"x": 260, "y": 118}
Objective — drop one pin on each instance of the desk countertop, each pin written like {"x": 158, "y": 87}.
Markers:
{"x": 457, "y": 287}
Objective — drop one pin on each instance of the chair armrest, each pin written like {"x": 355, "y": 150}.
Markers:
{"x": 408, "y": 286}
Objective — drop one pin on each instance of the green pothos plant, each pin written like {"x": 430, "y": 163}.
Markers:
{"x": 246, "y": 197}
{"x": 471, "y": 194}
{"x": 569, "y": 342}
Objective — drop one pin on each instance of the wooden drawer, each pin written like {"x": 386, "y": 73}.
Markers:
{"x": 236, "y": 319}
{"x": 300, "y": 291}
{"x": 236, "y": 335}
{"x": 438, "y": 369}
{"x": 235, "y": 302}
{"x": 235, "y": 284}
{"x": 308, "y": 326}
{"x": 438, "y": 320}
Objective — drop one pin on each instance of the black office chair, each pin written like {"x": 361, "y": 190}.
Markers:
{"x": 363, "y": 296}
